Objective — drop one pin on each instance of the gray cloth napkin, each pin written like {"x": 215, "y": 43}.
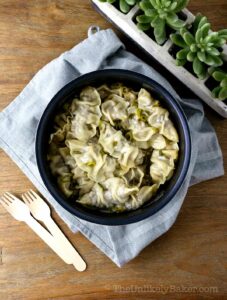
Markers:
{"x": 19, "y": 121}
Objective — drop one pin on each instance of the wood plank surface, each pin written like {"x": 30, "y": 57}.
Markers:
{"x": 189, "y": 262}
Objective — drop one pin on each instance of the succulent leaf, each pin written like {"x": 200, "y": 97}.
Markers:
{"x": 224, "y": 82}
{"x": 196, "y": 22}
{"x": 181, "y": 62}
{"x": 202, "y": 22}
{"x": 191, "y": 56}
{"x": 221, "y": 42}
{"x": 188, "y": 38}
{"x": 219, "y": 75}
{"x": 205, "y": 29}
{"x": 131, "y": 2}
{"x": 198, "y": 66}
{"x": 178, "y": 40}
{"x": 124, "y": 6}
{"x": 177, "y": 24}
{"x": 143, "y": 27}
{"x": 173, "y": 5}
{"x": 198, "y": 35}
{"x": 216, "y": 91}
{"x": 143, "y": 19}
{"x": 145, "y": 5}
{"x": 201, "y": 56}
{"x": 182, "y": 54}
{"x": 160, "y": 31}
{"x": 181, "y": 5}
{"x": 156, "y": 4}
{"x": 223, "y": 93}
{"x": 223, "y": 33}
{"x": 150, "y": 13}
{"x": 172, "y": 18}
{"x": 213, "y": 51}
{"x": 213, "y": 61}
{"x": 194, "y": 48}
{"x": 156, "y": 21}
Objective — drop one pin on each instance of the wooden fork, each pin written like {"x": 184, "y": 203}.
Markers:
{"x": 20, "y": 211}
{"x": 41, "y": 211}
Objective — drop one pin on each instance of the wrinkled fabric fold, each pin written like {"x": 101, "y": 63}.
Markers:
{"x": 19, "y": 121}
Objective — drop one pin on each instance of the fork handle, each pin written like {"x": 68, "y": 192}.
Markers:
{"x": 72, "y": 254}
{"x": 47, "y": 238}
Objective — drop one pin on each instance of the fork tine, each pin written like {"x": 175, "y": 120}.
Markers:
{"x": 4, "y": 202}
{"x": 34, "y": 193}
{"x": 11, "y": 196}
{"x": 31, "y": 192}
{"x": 31, "y": 196}
{"x": 26, "y": 198}
{"x": 7, "y": 198}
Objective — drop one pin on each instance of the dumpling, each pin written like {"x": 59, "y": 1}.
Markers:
{"x": 117, "y": 191}
{"x": 146, "y": 101}
{"x": 129, "y": 95}
{"x": 128, "y": 156}
{"x": 85, "y": 121}
{"x": 171, "y": 150}
{"x": 134, "y": 176}
{"x": 158, "y": 116}
{"x": 146, "y": 193}
{"x": 169, "y": 131}
{"x": 133, "y": 123}
{"x": 111, "y": 140}
{"x": 94, "y": 198}
{"x": 89, "y": 158}
{"x": 84, "y": 185}
{"x": 117, "y": 89}
{"x": 161, "y": 168}
{"x": 114, "y": 108}
{"x": 158, "y": 141}
{"x": 104, "y": 91}
{"x": 109, "y": 167}
{"x": 75, "y": 146}
{"x": 63, "y": 127}
{"x": 81, "y": 130}
{"x": 90, "y": 96}
{"x": 144, "y": 134}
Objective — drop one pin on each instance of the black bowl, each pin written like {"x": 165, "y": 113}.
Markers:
{"x": 136, "y": 81}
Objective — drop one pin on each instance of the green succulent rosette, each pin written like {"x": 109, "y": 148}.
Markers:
{"x": 200, "y": 46}
{"x": 159, "y": 14}
{"x": 219, "y": 92}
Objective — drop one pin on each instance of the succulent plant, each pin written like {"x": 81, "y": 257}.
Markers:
{"x": 159, "y": 14}
{"x": 201, "y": 47}
{"x": 124, "y": 5}
{"x": 220, "y": 91}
